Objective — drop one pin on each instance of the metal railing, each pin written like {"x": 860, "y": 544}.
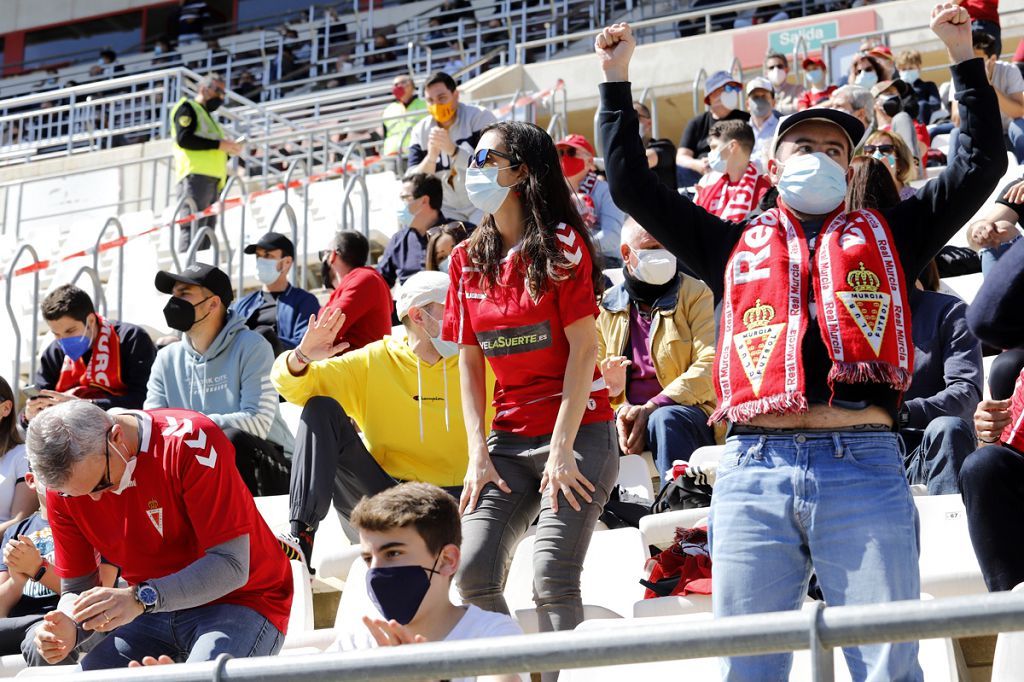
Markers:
{"x": 820, "y": 630}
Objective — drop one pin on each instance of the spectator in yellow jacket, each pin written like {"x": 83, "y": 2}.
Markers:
{"x": 656, "y": 335}
{"x": 403, "y": 394}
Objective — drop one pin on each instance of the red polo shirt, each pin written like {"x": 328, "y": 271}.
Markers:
{"x": 365, "y": 298}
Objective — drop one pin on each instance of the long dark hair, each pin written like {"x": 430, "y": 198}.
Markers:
{"x": 9, "y": 436}
{"x": 871, "y": 185}
{"x": 455, "y": 229}
{"x": 547, "y": 201}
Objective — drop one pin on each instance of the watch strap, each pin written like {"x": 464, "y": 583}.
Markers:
{"x": 41, "y": 572}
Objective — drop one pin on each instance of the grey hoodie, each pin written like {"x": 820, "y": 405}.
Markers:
{"x": 230, "y": 383}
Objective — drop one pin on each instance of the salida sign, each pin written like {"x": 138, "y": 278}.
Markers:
{"x": 813, "y": 35}
{"x": 751, "y": 44}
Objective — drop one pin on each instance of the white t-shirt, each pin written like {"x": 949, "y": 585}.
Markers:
{"x": 13, "y": 467}
{"x": 1007, "y": 79}
{"x": 475, "y": 624}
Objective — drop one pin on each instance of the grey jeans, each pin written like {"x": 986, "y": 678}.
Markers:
{"x": 492, "y": 530}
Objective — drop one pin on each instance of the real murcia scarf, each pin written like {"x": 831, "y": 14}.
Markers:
{"x": 104, "y": 369}
{"x": 732, "y": 202}
{"x": 863, "y": 311}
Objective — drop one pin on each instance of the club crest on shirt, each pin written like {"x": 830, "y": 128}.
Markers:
{"x": 155, "y": 513}
{"x": 754, "y": 346}
{"x": 868, "y": 306}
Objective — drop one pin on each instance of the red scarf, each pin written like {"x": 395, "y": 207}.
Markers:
{"x": 102, "y": 376}
{"x": 584, "y": 202}
{"x": 731, "y": 201}
{"x": 863, "y": 312}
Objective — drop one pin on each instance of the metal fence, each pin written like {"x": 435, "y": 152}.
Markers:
{"x": 819, "y": 630}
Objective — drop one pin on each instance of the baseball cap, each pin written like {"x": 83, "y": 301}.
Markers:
{"x": 852, "y": 128}
{"x": 577, "y": 141}
{"x": 271, "y": 241}
{"x": 427, "y": 286}
{"x": 760, "y": 83}
{"x": 901, "y": 86}
{"x": 200, "y": 274}
{"x": 881, "y": 51}
{"x": 717, "y": 80}
{"x": 808, "y": 62}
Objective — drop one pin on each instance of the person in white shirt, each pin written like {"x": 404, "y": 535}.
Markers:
{"x": 764, "y": 119}
{"x": 410, "y": 536}
{"x": 17, "y": 501}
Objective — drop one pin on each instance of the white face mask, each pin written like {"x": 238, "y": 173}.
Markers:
{"x": 266, "y": 270}
{"x": 812, "y": 183}
{"x": 126, "y": 477}
{"x": 729, "y": 99}
{"x": 446, "y": 349}
{"x": 715, "y": 160}
{"x": 483, "y": 189}
{"x": 654, "y": 266}
{"x": 777, "y": 75}
{"x": 866, "y": 79}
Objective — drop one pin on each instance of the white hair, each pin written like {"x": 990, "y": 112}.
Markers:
{"x": 62, "y": 435}
{"x": 632, "y": 232}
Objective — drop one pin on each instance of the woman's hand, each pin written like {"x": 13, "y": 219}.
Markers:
{"x": 480, "y": 472}
{"x": 562, "y": 474}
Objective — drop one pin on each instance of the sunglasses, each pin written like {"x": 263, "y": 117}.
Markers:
{"x": 482, "y": 156}
{"x": 104, "y": 483}
{"x": 884, "y": 148}
{"x": 323, "y": 254}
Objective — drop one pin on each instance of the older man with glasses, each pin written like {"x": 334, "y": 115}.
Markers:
{"x": 156, "y": 493}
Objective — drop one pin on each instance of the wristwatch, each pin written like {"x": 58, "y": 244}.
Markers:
{"x": 42, "y": 570}
{"x": 146, "y": 595}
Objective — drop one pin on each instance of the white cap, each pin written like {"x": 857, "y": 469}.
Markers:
{"x": 420, "y": 289}
{"x": 760, "y": 83}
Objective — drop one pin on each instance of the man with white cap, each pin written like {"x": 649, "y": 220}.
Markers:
{"x": 764, "y": 119}
{"x": 403, "y": 394}
{"x": 722, "y": 95}
{"x": 815, "y": 351}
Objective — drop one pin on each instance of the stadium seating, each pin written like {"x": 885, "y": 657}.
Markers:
{"x": 1008, "y": 663}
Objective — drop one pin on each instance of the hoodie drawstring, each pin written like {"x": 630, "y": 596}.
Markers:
{"x": 419, "y": 394}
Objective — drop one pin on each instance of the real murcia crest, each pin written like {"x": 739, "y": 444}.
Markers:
{"x": 868, "y": 306}
{"x": 156, "y": 516}
{"x": 755, "y": 345}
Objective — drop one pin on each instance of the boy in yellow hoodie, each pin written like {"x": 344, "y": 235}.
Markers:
{"x": 402, "y": 392}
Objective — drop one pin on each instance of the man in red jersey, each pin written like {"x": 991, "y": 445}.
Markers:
{"x": 359, "y": 291}
{"x": 157, "y": 494}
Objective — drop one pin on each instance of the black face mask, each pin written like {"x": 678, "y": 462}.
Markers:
{"x": 892, "y": 105}
{"x": 181, "y": 315}
{"x": 325, "y": 274}
{"x": 213, "y": 104}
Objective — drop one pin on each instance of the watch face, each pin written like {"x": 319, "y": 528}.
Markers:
{"x": 147, "y": 595}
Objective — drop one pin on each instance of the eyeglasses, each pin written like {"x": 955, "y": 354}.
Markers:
{"x": 883, "y": 148}
{"x": 482, "y": 156}
{"x": 104, "y": 483}
{"x": 567, "y": 151}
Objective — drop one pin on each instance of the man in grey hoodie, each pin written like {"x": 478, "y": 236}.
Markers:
{"x": 222, "y": 369}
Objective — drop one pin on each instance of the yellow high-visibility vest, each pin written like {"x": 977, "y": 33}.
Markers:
{"x": 209, "y": 162}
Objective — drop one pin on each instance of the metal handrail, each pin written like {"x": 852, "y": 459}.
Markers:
{"x": 221, "y": 200}
{"x": 185, "y": 201}
{"x": 346, "y": 203}
{"x": 99, "y": 297}
{"x": 303, "y": 263}
{"x": 820, "y": 630}
{"x": 15, "y": 327}
{"x": 701, "y": 76}
{"x": 293, "y": 222}
{"x": 112, "y": 222}
{"x": 206, "y": 232}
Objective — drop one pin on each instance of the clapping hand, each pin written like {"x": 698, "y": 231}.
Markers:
{"x": 318, "y": 341}
{"x": 55, "y": 637}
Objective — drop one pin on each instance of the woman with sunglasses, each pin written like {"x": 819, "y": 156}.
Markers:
{"x": 523, "y": 298}
{"x": 890, "y": 149}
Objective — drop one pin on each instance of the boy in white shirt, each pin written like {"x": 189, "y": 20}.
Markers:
{"x": 410, "y": 536}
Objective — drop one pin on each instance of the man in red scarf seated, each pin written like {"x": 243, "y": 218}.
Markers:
{"x": 815, "y": 351}
{"x": 734, "y": 187}
{"x": 91, "y": 357}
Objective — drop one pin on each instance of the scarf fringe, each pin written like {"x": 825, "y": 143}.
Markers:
{"x": 780, "y": 403}
{"x": 874, "y": 372}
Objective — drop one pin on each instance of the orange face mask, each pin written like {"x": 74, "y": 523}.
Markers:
{"x": 443, "y": 113}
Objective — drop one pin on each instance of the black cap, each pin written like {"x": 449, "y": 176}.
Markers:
{"x": 200, "y": 274}
{"x": 850, "y": 125}
{"x": 271, "y": 241}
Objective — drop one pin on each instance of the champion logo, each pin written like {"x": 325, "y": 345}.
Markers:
{"x": 423, "y": 398}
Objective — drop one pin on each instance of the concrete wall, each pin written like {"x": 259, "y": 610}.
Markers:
{"x": 669, "y": 67}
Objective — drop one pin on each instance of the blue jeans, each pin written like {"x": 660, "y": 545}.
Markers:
{"x": 837, "y": 504}
{"x": 1015, "y": 134}
{"x": 188, "y": 636}
{"x": 936, "y": 453}
{"x": 674, "y": 432}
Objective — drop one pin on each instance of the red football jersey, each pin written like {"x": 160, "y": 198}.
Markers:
{"x": 186, "y": 497}
{"x": 523, "y": 339}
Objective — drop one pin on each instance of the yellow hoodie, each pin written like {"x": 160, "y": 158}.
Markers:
{"x": 379, "y": 387}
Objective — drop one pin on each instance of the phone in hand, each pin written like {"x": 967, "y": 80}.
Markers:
{"x": 31, "y": 391}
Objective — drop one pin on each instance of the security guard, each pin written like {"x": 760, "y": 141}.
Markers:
{"x": 201, "y": 151}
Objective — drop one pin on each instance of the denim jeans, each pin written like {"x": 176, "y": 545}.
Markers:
{"x": 188, "y": 636}
{"x": 837, "y": 504}
{"x": 936, "y": 453}
{"x": 492, "y": 530}
{"x": 674, "y": 432}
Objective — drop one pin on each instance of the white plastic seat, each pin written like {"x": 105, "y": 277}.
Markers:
{"x": 635, "y": 477}
{"x": 709, "y": 454}
{"x": 1008, "y": 662}
{"x": 949, "y": 567}
{"x": 660, "y": 529}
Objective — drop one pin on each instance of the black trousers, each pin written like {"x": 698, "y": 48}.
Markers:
{"x": 262, "y": 464}
{"x": 203, "y": 190}
{"x": 331, "y": 464}
{"x": 1004, "y": 372}
{"x": 992, "y": 485}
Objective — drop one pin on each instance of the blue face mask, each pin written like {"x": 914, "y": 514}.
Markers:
{"x": 483, "y": 189}
{"x": 405, "y": 216}
{"x": 715, "y": 160}
{"x": 76, "y": 346}
{"x": 445, "y": 262}
{"x": 398, "y": 591}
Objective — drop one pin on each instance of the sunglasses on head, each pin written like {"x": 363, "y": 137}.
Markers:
{"x": 482, "y": 156}
{"x": 884, "y": 148}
